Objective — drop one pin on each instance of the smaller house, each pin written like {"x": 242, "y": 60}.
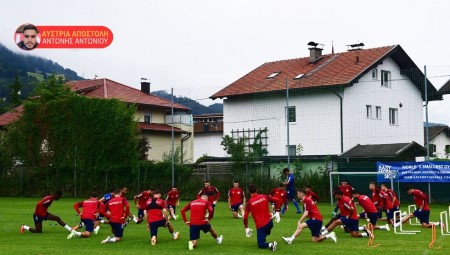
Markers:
{"x": 384, "y": 152}
{"x": 208, "y": 133}
{"x": 439, "y": 141}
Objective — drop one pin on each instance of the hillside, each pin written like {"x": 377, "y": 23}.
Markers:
{"x": 196, "y": 107}
{"x": 30, "y": 70}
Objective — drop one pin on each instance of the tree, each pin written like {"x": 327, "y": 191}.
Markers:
{"x": 14, "y": 95}
{"x": 62, "y": 136}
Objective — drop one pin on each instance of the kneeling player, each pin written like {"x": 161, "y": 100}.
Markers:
{"x": 236, "y": 200}
{"x": 88, "y": 216}
{"x": 116, "y": 211}
{"x": 314, "y": 223}
{"x": 157, "y": 217}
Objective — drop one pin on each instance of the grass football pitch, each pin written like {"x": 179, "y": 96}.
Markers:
{"x": 17, "y": 211}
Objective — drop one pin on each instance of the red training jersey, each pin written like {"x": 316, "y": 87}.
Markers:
{"x": 345, "y": 205}
{"x": 155, "y": 208}
{"x": 212, "y": 193}
{"x": 258, "y": 206}
{"x": 142, "y": 199}
{"x": 43, "y": 205}
{"x": 279, "y": 193}
{"x": 387, "y": 204}
{"x": 90, "y": 208}
{"x": 198, "y": 209}
{"x": 311, "y": 194}
{"x": 376, "y": 199}
{"x": 393, "y": 197}
{"x": 118, "y": 209}
{"x": 311, "y": 207}
{"x": 366, "y": 203}
{"x": 172, "y": 197}
{"x": 347, "y": 190}
{"x": 236, "y": 195}
{"x": 421, "y": 199}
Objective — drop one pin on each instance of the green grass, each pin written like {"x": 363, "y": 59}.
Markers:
{"x": 16, "y": 211}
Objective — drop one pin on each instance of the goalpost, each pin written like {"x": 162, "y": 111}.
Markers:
{"x": 389, "y": 175}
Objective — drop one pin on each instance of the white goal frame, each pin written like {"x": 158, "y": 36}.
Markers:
{"x": 392, "y": 176}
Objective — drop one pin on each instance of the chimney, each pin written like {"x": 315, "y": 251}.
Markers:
{"x": 145, "y": 86}
{"x": 315, "y": 53}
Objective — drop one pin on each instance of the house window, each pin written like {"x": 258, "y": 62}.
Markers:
{"x": 374, "y": 74}
{"x": 432, "y": 148}
{"x": 393, "y": 116}
{"x": 291, "y": 114}
{"x": 447, "y": 149}
{"x": 147, "y": 118}
{"x": 378, "y": 112}
{"x": 292, "y": 150}
{"x": 273, "y": 75}
{"x": 368, "y": 111}
{"x": 385, "y": 78}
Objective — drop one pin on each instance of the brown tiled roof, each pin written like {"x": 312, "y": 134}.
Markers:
{"x": 159, "y": 127}
{"x": 11, "y": 116}
{"x": 105, "y": 88}
{"x": 331, "y": 70}
{"x": 436, "y": 130}
{"x": 384, "y": 150}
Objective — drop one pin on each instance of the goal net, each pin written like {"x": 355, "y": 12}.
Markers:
{"x": 360, "y": 182}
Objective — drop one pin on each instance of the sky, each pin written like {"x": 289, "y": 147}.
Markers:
{"x": 198, "y": 47}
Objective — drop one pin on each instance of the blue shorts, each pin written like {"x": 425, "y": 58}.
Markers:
{"x": 315, "y": 226}
{"x": 117, "y": 229}
{"x": 262, "y": 233}
{"x": 389, "y": 214}
{"x": 290, "y": 194}
{"x": 373, "y": 217}
{"x": 88, "y": 224}
{"x": 395, "y": 208}
{"x": 423, "y": 216}
{"x": 155, "y": 225}
{"x": 350, "y": 224}
{"x": 174, "y": 207}
{"x": 141, "y": 213}
{"x": 194, "y": 230}
{"x": 38, "y": 219}
{"x": 235, "y": 207}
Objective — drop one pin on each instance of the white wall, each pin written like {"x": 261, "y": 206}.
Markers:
{"x": 317, "y": 127}
{"x": 440, "y": 141}
{"x": 209, "y": 144}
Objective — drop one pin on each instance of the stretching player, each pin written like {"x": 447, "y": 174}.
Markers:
{"x": 236, "y": 200}
{"x": 123, "y": 194}
{"x": 423, "y": 209}
{"x": 212, "y": 193}
{"x": 258, "y": 206}
{"x": 116, "y": 210}
{"x": 197, "y": 221}
{"x": 376, "y": 199}
{"x": 88, "y": 216}
{"x": 346, "y": 190}
{"x": 370, "y": 211}
{"x": 41, "y": 213}
{"x": 290, "y": 189}
{"x": 314, "y": 223}
{"x": 392, "y": 196}
{"x": 157, "y": 217}
{"x": 349, "y": 217}
{"x": 280, "y": 193}
{"x": 173, "y": 200}
{"x": 140, "y": 200}
{"x": 311, "y": 194}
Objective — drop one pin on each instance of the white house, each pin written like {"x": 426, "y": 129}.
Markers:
{"x": 439, "y": 144}
{"x": 335, "y": 101}
{"x": 208, "y": 130}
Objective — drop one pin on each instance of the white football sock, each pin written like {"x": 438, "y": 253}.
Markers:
{"x": 68, "y": 228}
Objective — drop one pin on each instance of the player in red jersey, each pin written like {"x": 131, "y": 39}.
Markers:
{"x": 236, "y": 200}
{"x": 131, "y": 216}
{"x": 116, "y": 210}
{"x": 198, "y": 222}
{"x": 311, "y": 194}
{"x": 173, "y": 200}
{"x": 387, "y": 206}
{"x": 89, "y": 215}
{"x": 423, "y": 209}
{"x": 370, "y": 212}
{"x": 41, "y": 213}
{"x": 280, "y": 193}
{"x": 346, "y": 190}
{"x": 157, "y": 217}
{"x": 376, "y": 199}
{"x": 392, "y": 196}
{"x": 212, "y": 193}
{"x": 257, "y": 205}
{"x": 140, "y": 200}
{"x": 314, "y": 223}
{"x": 348, "y": 217}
